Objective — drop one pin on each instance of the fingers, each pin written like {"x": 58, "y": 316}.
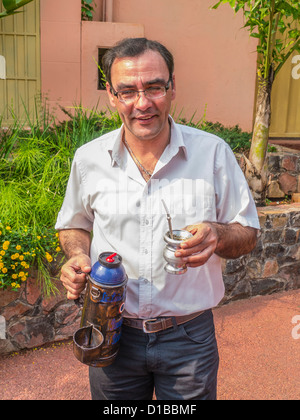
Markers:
{"x": 73, "y": 275}
{"x": 197, "y": 250}
{"x": 199, "y": 232}
{"x": 72, "y": 296}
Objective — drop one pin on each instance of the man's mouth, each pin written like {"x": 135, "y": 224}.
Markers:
{"x": 145, "y": 118}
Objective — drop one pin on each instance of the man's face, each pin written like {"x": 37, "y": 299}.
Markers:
{"x": 144, "y": 119}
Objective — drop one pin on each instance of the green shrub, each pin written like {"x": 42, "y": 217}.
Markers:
{"x": 35, "y": 162}
{"x": 238, "y": 140}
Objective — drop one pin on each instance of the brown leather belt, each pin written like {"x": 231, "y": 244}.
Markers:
{"x": 154, "y": 325}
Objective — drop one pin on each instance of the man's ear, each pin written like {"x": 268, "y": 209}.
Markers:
{"x": 173, "y": 87}
{"x": 111, "y": 96}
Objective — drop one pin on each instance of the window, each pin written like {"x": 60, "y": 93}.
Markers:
{"x": 101, "y": 82}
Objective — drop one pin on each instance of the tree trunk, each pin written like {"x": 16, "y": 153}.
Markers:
{"x": 255, "y": 170}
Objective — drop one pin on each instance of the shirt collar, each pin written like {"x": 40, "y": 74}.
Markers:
{"x": 117, "y": 149}
{"x": 177, "y": 140}
{"x": 176, "y": 144}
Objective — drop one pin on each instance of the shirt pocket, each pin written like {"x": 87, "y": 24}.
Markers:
{"x": 190, "y": 201}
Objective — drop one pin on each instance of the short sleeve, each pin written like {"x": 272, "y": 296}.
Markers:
{"x": 234, "y": 201}
{"x": 75, "y": 212}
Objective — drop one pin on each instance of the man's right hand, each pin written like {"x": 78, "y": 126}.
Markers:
{"x": 73, "y": 274}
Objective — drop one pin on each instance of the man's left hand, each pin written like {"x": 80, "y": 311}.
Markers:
{"x": 197, "y": 250}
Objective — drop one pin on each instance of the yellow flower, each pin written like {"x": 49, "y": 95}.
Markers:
{"x": 4, "y": 270}
{"x": 23, "y": 278}
{"x": 13, "y": 257}
{"x": 14, "y": 276}
{"x": 57, "y": 249}
{"x": 13, "y": 284}
{"x": 1, "y": 265}
{"x": 21, "y": 274}
{"x": 8, "y": 228}
{"x": 49, "y": 257}
{"x": 21, "y": 257}
{"x": 6, "y": 245}
{"x": 2, "y": 252}
{"x": 0, "y": 232}
{"x": 39, "y": 237}
{"x": 18, "y": 247}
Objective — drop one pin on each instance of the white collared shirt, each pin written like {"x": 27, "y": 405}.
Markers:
{"x": 199, "y": 179}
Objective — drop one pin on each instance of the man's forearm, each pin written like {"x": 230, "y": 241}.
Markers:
{"x": 234, "y": 240}
{"x": 75, "y": 242}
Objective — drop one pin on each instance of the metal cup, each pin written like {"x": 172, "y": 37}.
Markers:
{"x": 87, "y": 342}
{"x": 175, "y": 265}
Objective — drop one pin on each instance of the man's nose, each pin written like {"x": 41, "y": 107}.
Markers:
{"x": 142, "y": 102}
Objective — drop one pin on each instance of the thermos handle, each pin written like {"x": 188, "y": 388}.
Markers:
{"x": 80, "y": 300}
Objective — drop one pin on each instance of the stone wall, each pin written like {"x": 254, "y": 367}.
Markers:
{"x": 274, "y": 265}
{"x": 28, "y": 320}
{"x": 284, "y": 167}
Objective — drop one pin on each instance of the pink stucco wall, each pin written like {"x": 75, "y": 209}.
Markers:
{"x": 61, "y": 51}
{"x": 100, "y": 35}
{"x": 215, "y": 59}
{"x": 68, "y": 50}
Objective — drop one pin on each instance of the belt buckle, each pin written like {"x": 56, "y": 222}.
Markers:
{"x": 145, "y": 326}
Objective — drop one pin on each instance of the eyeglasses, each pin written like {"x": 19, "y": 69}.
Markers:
{"x": 129, "y": 96}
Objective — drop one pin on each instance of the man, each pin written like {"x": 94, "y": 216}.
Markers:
{"x": 115, "y": 190}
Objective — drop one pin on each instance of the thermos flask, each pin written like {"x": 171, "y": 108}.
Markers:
{"x": 97, "y": 341}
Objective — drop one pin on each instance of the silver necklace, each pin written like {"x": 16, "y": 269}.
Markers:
{"x": 136, "y": 159}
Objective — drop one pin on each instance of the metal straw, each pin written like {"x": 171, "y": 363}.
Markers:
{"x": 169, "y": 219}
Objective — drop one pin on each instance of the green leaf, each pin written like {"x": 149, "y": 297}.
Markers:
{"x": 4, "y": 14}
{"x": 232, "y": 3}
{"x": 12, "y": 5}
{"x": 216, "y": 5}
{"x": 255, "y": 35}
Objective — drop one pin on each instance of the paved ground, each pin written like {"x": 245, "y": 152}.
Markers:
{"x": 259, "y": 350}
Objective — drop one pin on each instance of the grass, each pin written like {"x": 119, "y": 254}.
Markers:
{"x": 35, "y": 162}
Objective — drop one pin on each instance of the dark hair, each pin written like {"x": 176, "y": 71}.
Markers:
{"x": 133, "y": 47}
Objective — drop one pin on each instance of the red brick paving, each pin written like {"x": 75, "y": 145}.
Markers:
{"x": 259, "y": 357}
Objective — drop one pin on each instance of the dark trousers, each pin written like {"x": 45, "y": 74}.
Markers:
{"x": 180, "y": 363}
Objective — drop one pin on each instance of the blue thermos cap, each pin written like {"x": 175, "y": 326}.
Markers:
{"x": 108, "y": 269}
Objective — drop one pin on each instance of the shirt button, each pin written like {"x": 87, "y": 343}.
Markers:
{"x": 146, "y": 251}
